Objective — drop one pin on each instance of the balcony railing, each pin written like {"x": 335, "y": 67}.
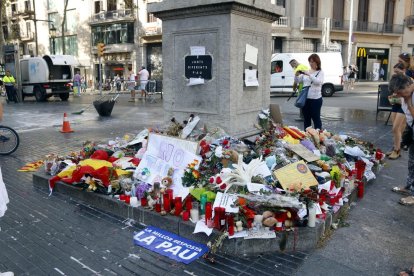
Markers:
{"x": 281, "y": 22}
{"x": 24, "y": 12}
{"x": 112, "y": 15}
{"x": 409, "y": 21}
{"x": 358, "y": 26}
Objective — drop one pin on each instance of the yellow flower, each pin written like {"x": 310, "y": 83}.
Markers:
{"x": 196, "y": 174}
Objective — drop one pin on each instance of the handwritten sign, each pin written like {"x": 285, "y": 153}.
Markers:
{"x": 170, "y": 245}
{"x": 260, "y": 234}
{"x": 303, "y": 152}
{"x": 226, "y": 201}
{"x": 163, "y": 153}
{"x": 166, "y": 144}
{"x": 295, "y": 176}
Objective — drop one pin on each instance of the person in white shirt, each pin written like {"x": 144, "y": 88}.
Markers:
{"x": 313, "y": 79}
{"x": 131, "y": 84}
{"x": 403, "y": 87}
{"x": 143, "y": 79}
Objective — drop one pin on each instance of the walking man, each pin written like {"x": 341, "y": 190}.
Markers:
{"x": 9, "y": 83}
{"x": 143, "y": 80}
{"x": 131, "y": 84}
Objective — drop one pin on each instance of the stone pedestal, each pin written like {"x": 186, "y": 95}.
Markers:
{"x": 223, "y": 28}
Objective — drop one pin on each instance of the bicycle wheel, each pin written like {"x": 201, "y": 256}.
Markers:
{"x": 9, "y": 140}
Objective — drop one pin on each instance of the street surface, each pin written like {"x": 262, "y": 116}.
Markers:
{"x": 56, "y": 235}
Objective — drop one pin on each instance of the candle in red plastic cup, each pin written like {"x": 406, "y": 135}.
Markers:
{"x": 360, "y": 168}
{"x": 186, "y": 215}
{"x": 144, "y": 201}
{"x": 178, "y": 207}
{"x": 209, "y": 212}
{"x": 230, "y": 224}
{"x": 122, "y": 197}
{"x": 127, "y": 199}
{"x": 361, "y": 189}
{"x": 167, "y": 202}
{"x": 188, "y": 203}
{"x": 217, "y": 218}
{"x": 158, "y": 207}
{"x": 170, "y": 193}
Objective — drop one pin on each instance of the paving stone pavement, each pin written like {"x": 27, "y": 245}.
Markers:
{"x": 57, "y": 235}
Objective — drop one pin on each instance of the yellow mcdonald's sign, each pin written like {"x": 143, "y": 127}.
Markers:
{"x": 362, "y": 52}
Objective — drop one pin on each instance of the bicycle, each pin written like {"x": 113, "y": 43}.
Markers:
{"x": 9, "y": 140}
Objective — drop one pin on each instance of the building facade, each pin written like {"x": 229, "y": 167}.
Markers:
{"x": 132, "y": 37}
{"x": 381, "y": 30}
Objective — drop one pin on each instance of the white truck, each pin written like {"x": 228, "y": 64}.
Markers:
{"x": 282, "y": 74}
{"x": 50, "y": 75}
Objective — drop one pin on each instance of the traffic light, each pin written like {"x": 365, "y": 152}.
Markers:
{"x": 101, "y": 49}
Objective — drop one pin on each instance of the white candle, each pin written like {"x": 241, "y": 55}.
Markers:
{"x": 312, "y": 216}
{"x": 195, "y": 216}
{"x": 133, "y": 201}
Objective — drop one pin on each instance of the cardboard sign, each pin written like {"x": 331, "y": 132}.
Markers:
{"x": 170, "y": 245}
{"x": 303, "y": 152}
{"x": 163, "y": 153}
{"x": 295, "y": 176}
{"x": 167, "y": 146}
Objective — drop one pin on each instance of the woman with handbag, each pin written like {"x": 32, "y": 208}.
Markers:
{"x": 312, "y": 85}
{"x": 403, "y": 87}
{"x": 397, "y": 117}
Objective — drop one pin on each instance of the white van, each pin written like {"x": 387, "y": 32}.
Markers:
{"x": 282, "y": 74}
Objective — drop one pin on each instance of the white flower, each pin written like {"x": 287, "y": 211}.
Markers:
{"x": 262, "y": 116}
{"x": 219, "y": 152}
{"x": 266, "y": 112}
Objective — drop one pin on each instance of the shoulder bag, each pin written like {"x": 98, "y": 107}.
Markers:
{"x": 303, "y": 95}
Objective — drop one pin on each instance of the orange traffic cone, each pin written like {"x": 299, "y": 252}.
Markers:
{"x": 66, "y": 125}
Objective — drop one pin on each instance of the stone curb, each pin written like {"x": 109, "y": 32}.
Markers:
{"x": 302, "y": 239}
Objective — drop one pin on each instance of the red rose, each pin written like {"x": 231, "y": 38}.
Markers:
{"x": 218, "y": 180}
{"x": 223, "y": 186}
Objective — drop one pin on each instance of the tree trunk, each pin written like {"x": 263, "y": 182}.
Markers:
{"x": 63, "y": 27}
{"x": 2, "y": 40}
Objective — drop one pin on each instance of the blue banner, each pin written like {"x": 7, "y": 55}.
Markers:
{"x": 170, "y": 245}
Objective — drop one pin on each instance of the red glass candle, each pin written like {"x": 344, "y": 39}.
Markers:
{"x": 167, "y": 202}
{"x": 209, "y": 213}
{"x": 127, "y": 199}
{"x": 178, "y": 207}
{"x": 158, "y": 207}
{"x": 222, "y": 217}
{"x": 217, "y": 218}
{"x": 188, "y": 203}
{"x": 122, "y": 197}
{"x": 360, "y": 168}
{"x": 361, "y": 189}
{"x": 144, "y": 201}
{"x": 170, "y": 193}
{"x": 230, "y": 224}
{"x": 186, "y": 215}
{"x": 378, "y": 154}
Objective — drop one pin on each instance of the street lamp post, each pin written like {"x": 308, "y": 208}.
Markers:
{"x": 52, "y": 33}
